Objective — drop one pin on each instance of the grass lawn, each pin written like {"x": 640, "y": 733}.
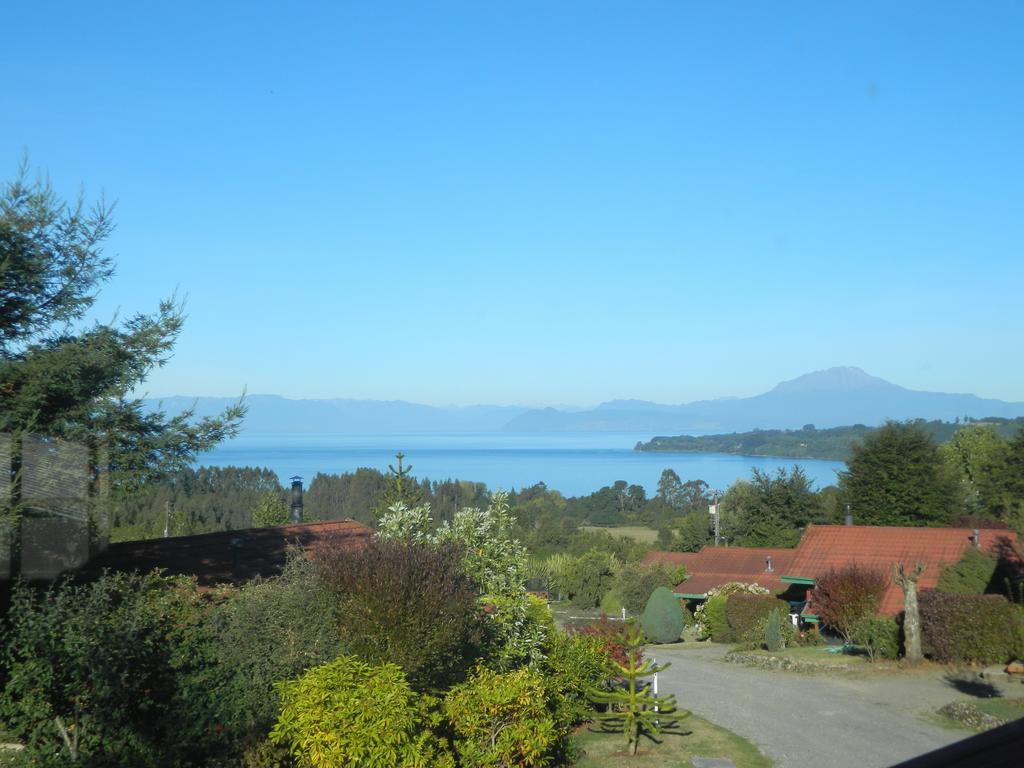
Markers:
{"x": 692, "y": 737}
{"x": 641, "y": 533}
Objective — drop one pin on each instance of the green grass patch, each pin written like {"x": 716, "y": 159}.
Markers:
{"x": 692, "y": 737}
{"x": 640, "y": 533}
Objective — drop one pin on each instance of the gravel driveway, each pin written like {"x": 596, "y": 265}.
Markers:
{"x": 807, "y": 720}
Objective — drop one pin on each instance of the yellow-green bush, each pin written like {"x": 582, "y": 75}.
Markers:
{"x": 501, "y": 719}
{"x": 348, "y": 713}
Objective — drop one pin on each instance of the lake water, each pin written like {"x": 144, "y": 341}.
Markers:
{"x": 574, "y": 464}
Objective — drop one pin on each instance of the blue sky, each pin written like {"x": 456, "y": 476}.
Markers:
{"x": 539, "y": 202}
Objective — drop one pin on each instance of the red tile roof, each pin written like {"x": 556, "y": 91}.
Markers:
{"x": 714, "y": 566}
{"x": 227, "y": 556}
{"x": 824, "y": 547}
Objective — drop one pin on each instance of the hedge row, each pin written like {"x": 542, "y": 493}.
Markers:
{"x": 745, "y": 612}
{"x": 985, "y": 629}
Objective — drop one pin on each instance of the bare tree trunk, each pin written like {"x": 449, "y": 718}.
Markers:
{"x": 911, "y": 614}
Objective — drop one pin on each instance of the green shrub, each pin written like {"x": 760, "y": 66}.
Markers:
{"x": 516, "y": 629}
{"x": 757, "y": 637}
{"x": 611, "y": 604}
{"x": 588, "y": 577}
{"x": 987, "y": 629}
{"x": 348, "y": 713}
{"x": 744, "y": 611}
{"x": 573, "y": 665}
{"x": 634, "y": 583}
{"x": 880, "y": 637}
{"x": 410, "y": 604}
{"x": 970, "y": 575}
{"x": 501, "y": 719}
{"x": 120, "y": 671}
{"x": 275, "y": 630}
{"x": 662, "y": 620}
{"x": 773, "y": 632}
{"x": 710, "y": 619}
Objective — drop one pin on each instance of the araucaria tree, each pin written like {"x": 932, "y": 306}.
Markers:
{"x": 62, "y": 378}
{"x": 634, "y": 708}
{"x": 896, "y": 476}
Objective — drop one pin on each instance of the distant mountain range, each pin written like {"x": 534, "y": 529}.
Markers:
{"x": 829, "y": 398}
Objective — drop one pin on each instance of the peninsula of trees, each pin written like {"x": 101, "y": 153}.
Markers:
{"x": 834, "y": 444}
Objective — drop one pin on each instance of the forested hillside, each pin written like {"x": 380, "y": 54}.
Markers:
{"x": 810, "y": 443}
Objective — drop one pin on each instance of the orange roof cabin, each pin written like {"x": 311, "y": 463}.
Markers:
{"x": 714, "y": 566}
{"x": 228, "y": 557}
{"x": 824, "y": 547}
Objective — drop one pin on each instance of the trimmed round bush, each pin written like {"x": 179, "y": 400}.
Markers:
{"x": 662, "y": 620}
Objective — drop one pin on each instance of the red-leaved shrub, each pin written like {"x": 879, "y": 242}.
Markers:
{"x": 986, "y": 629}
{"x": 843, "y": 598}
{"x": 612, "y": 634}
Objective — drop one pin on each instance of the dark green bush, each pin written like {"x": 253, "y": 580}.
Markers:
{"x": 880, "y": 637}
{"x": 744, "y": 611}
{"x": 407, "y": 604}
{"x": 972, "y": 574}
{"x": 120, "y": 671}
{"x": 773, "y": 631}
{"x": 986, "y": 629}
{"x": 662, "y": 620}
{"x": 275, "y": 630}
{"x": 634, "y": 584}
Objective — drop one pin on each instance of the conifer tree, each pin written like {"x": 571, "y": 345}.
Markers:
{"x": 634, "y": 708}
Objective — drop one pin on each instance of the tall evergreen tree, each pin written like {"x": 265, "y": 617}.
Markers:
{"x": 896, "y": 476}
{"x": 63, "y": 378}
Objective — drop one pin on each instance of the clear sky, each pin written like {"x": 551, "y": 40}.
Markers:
{"x": 544, "y": 202}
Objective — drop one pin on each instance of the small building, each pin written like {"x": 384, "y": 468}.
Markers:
{"x": 826, "y": 547}
{"x": 228, "y": 557}
{"x": 714, "y": 566}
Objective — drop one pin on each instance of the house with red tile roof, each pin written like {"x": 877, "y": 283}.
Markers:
{"x": 714, "y": 566}
{"x": 228, "y": 557}
{"x": 826, "y": 547}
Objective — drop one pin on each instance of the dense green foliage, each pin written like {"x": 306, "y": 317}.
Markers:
{"x": 409, "y": 604}
{"x": 710, "y": 616}
{"x": 195, "y": 501}
{"x": 348, "y": 713}
{"x": 121, "y": 671}
{"x": 274, "y": 629}
{"x": 834, "y": 443}
{"x": 743, "y": 611}
{"x": 985, "y": 629}
{"x": 897, "y": 477}
{"x": 662, "y": 619}
{"x": 770, "y": 510}
{"x": 773, "y": 631}
{"x": 879, "y": 636}
{"x": 844, "y": 598}
{"x": 270, "y": 510}
{"x": 972, "y": 574}
{"x": 634, "y": 584}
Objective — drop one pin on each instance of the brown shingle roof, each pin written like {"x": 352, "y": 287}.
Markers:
{"x": 230, "y": 557}
{"x": 714, "y": 566}
{"x": 824, "y": 547}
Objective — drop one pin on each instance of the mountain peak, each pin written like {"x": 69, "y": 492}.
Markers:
{"x": 840, "y": 379}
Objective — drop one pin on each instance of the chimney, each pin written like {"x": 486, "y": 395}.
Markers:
{"x": 849, "y": 515}
{"x": 976, "y": 538}
{"x": 768, "y": 560}
{"x": 296, "y": 499}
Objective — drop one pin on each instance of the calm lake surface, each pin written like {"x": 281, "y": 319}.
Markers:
{"x": 574, "y": 464}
